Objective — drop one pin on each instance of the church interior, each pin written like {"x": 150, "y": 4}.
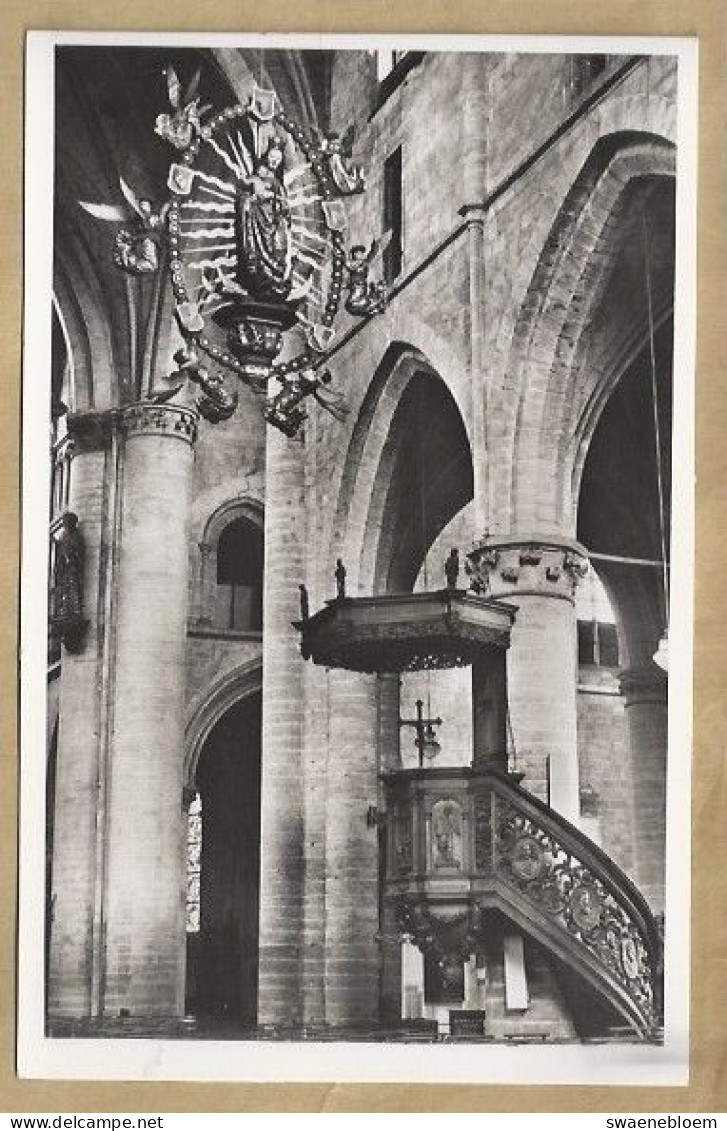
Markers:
{"x": 358, "y": 665}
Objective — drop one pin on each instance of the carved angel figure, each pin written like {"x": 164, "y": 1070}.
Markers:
{"x": 364, "y": 297}
{"x": 136, "y": 245}
{"x": 180, "y": 128}
{"x": 285, "y": 409}
{"x": 336, "y": 152}
{"x": 214, "y": 401}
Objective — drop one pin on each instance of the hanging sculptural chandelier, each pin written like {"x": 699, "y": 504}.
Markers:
{"x": 254, "y": 240}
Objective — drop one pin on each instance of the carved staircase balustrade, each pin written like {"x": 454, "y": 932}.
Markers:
{"x": 466, "y": 841}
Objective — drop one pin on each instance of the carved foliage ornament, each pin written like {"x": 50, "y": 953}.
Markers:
{"x": 450, "y": 940}
{"x": 555, "y": 879}
{"x": 163, "y": 419}
{"x": 552, "y": 568}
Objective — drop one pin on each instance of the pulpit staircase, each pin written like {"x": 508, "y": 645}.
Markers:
{"x": 469, "y": 846}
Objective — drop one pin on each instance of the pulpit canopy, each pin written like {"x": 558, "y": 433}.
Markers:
{"x": 410, "y": 632}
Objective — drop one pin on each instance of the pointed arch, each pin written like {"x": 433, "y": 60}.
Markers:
{"x": 374, "y": 448}
{"x": 209, "y": 708}
{"x": 550, "y": 380}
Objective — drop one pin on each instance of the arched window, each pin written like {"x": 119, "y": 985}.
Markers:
{"x": 194, "y": 863}
{"x": 239, "y": 599}
{"x": 597, "y": 639}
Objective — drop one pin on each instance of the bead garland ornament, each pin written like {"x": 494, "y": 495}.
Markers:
{"x": 254, "y": 229}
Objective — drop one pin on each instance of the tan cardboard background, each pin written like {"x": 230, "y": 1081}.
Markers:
{"x": 707, "y": 19}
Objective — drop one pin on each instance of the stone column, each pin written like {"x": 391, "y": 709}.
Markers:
{"x": 144, "y": 926}
{"x": 315, "y": 753}
{"x": 82, "y": 736}
{"x": 489, "y": 710}
{"x": 474, "y": 112}
{"x": 315, "y": 748}
{"x": 352, "y": 875}
{"x": 645, "y": 698}
{"x": 282, "y": 796}
{"x": 388, "y": 690}
{"x": 539, "y": 576}
{"x": 475, "y": 218}
{"x": 204, "y": 586}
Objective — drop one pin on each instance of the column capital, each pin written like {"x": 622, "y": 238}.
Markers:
{"x": 188, "y": 795}
{"x": 90, "y": 431}
{"x": 147, "y": 418}
{"x": 646, "y": 683}
{"x": 517, "y": 565}
{"x": 473, "y": 213}
{"x": 64, "y": 449}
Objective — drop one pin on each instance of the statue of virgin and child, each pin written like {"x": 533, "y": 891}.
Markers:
{"x": 263, "y": 229}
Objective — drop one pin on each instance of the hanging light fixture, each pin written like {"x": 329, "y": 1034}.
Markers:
{"x": 427, "y": 745}
{"x": 425, "y": 738}
{"x": 430, "y": 746}
{"x": 661, "y": 655}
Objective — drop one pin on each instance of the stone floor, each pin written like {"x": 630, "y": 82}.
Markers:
{"x": 219, "y": 1030}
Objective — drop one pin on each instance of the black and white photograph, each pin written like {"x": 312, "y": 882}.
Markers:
{"x": 357, "y": 557}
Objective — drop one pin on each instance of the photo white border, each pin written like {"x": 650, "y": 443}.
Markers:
{"x": 234, "y": 1061}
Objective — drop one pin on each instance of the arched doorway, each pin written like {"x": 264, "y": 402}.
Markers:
{"x": 222, "y": 937}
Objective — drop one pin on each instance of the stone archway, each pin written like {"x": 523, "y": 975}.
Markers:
{"x": 208, "y": 709}
{"x": 367, "y": 467}
{"x": 224, "y": 871}
{"x": 619, "y": 517}
{"x": 565, "y": 353}
{"x": 582, "y": 322}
